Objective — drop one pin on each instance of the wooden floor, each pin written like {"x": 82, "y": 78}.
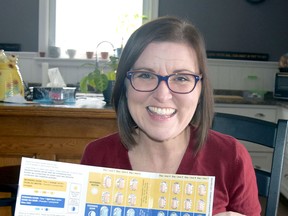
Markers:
{"x": 282, "y": 208}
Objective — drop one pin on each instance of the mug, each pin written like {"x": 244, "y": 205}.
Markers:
{"x": 104, "y": 55}
{"x": 54, "y": 51}
{"x": 71, "y": 53}
{"x": 89, "y": 55}
{"x": 42, "y": 54}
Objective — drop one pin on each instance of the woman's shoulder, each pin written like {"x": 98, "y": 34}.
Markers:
{"x": 225, "y": 144}
{"x": 110, "y": 139}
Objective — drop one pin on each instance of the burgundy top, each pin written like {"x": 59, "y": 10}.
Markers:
{"x": 222, "y": 156}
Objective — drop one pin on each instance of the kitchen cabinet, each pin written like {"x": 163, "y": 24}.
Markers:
{"x": 283, "y": 114}
{"x": 51, "y": 133}
{"x": 263, "y": 112}
{"x": 284, "y": 181}
{"x": 261, "y": 156}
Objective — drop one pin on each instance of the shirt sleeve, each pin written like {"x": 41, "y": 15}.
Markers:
{"x": 243, "y": 189}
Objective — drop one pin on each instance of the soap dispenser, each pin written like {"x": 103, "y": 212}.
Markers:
{"x": 11, "y": 82}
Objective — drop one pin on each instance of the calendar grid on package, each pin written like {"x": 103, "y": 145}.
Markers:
{"x": 57, "y": 188}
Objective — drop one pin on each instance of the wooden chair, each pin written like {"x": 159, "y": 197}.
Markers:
{"x": 9, "y": 176}
{"x": 269, "y": 134}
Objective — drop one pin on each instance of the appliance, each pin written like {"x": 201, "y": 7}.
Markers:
{"x": 281, "y": 86}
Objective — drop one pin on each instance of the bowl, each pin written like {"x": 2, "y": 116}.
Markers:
{"x": 54, "y": 95}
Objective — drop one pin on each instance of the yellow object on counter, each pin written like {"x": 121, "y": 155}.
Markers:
{"x": 11, "y": 82}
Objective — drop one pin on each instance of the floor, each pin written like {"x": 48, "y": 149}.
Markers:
{"x": 282, "y": 208}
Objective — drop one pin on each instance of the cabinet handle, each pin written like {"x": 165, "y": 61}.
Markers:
{"x": 260, "y": 115}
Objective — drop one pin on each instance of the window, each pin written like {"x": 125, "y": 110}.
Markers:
{"x": 83, "y": 24}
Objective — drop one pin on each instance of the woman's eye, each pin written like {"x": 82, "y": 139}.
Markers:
{"x": 181, "y": 78}
{"x": 144, "y": 75}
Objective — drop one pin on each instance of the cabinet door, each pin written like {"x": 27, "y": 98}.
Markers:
{"x": 284, "y": 181}
{"x": 261, "y": 160}
{"x": 12, "y": 159}
{"x": 267, "y": 113}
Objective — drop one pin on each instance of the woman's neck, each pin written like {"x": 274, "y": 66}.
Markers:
{"x": 159, "y": 156}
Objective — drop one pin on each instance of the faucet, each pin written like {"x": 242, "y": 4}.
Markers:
{"x": 97, "y": 63}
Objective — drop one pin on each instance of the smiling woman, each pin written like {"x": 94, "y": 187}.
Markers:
{"x": 88, "y": 22}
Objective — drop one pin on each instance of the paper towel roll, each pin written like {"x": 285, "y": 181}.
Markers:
{"x": 45, "y": 78}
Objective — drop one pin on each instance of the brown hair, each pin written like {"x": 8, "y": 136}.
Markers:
{"x": 162, "y": 29}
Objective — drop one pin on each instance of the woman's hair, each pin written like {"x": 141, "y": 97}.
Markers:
{"x": 163, "y": 29}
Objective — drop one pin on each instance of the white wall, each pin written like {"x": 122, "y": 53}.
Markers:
{"x": 242, "y": 75}
{"x": 224, "y": 74}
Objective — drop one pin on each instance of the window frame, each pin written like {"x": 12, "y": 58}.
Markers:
{"x": 47, "y": 15}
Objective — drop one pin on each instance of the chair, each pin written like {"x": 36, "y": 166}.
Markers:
{"x": 9, "y": 176}
{"x": 269, "y": 134}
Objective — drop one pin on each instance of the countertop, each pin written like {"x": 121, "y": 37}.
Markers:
{"x": 86, "y": 106}
{"x": 239, "y": 97}
{"x": 90, "y": 107}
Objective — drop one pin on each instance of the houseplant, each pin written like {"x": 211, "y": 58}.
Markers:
{"x": 101, "y": 79}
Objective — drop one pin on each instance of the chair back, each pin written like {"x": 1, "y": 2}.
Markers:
{"x": 269, "y": 134}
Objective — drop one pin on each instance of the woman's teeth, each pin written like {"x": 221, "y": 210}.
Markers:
{"x": 161, "y": 111}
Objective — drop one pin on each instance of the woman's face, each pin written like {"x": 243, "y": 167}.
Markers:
{"x": 162, "y": 114}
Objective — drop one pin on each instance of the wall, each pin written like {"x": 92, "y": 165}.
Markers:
{"x": 227, "y": 25}
{"x": 19, "y": 23}
{"x": 224, "y": 74}
{"x": 230, "y": 25}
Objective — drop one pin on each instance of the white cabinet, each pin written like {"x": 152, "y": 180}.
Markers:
{"x": 261, "y": 156}
{"x": 284, "y": 181}
{"x": 283, "y": 114}
{"x": 264, "y": 112}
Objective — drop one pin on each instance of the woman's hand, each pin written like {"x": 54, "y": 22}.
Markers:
{"x": 229, "y": 214}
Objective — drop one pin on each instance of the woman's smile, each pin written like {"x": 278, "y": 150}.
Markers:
{"x": 169, "y": 112}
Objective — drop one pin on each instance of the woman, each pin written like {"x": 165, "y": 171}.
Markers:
{"x": 164, "y": 107}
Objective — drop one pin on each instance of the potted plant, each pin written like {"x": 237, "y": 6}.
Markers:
{"x": 101, "y": 79}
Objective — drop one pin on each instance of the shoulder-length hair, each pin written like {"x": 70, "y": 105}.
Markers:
{"x": 163, "y": 29}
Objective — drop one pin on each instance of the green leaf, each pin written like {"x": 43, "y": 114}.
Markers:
{"x": 84, "y": 84}
{"x": 111, "y": 75}
{"x": 101, "y": 82}
{"x": 99, "y": 79}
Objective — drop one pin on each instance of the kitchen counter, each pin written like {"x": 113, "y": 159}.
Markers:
{"x": 238, "y": 100}
{"x": 89, "y": 108}
{"x": 61, "y": 132}
{"x": 236, "y": 97}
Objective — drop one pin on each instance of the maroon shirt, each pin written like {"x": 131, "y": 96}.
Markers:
{"x": 222, "y": 156}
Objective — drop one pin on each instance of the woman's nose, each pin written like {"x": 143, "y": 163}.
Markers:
{"x": 162, "y": 92}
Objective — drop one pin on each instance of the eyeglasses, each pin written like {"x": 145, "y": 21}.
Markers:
{"x": 181, "y": 83}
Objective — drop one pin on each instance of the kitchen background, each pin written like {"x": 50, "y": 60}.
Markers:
{"x": 226, "y": 25}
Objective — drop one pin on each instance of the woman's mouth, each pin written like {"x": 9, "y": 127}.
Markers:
{"x": 161, "y": 111}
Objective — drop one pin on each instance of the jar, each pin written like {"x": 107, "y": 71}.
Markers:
{"x": 283, "y": 63}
